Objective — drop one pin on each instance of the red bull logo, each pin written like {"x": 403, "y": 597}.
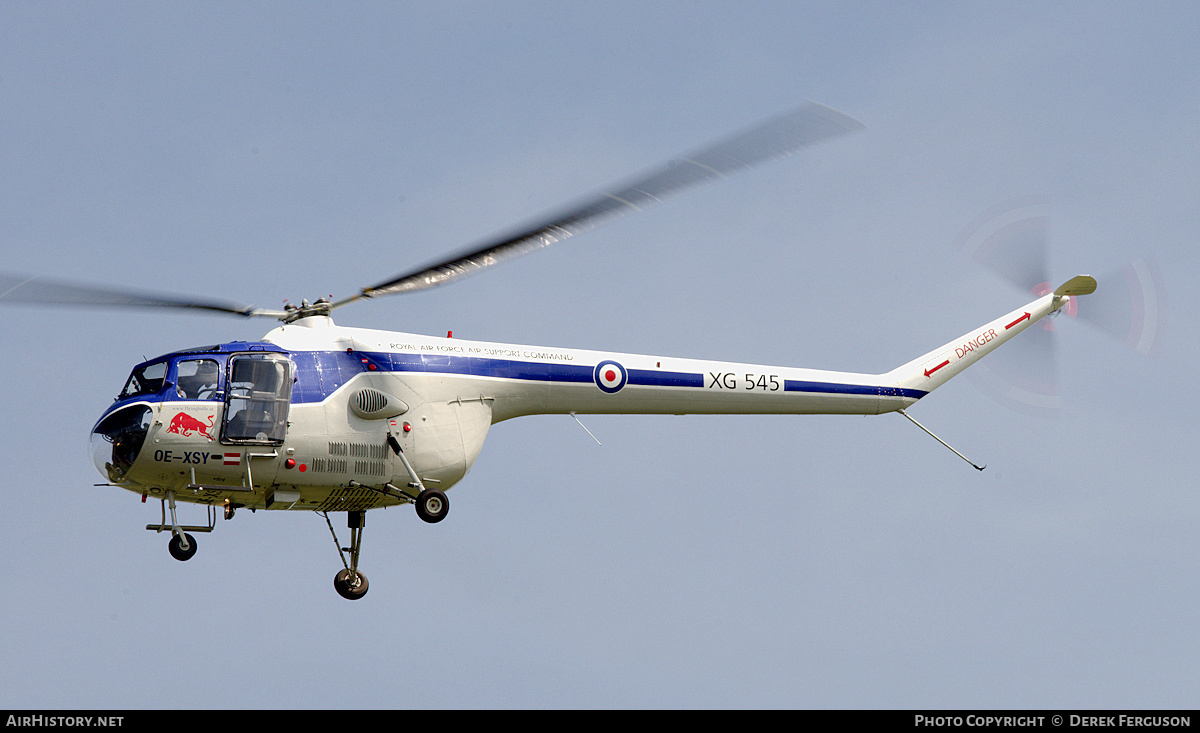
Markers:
{"x": 186, "y": 425}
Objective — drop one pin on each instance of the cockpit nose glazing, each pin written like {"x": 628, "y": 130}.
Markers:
{"x": 117, "y": 439}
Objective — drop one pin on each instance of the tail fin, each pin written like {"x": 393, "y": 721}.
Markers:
{"x": 934, "y": 369}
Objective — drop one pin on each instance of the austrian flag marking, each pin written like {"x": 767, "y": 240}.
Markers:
{"x": 233, "y": 459}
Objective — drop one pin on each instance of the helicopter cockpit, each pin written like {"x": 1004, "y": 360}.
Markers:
{"x": 250, "y": 385}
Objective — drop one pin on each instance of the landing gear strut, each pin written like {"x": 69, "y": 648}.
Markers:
{"x": 432, "y": 504}
{"x": 182, "y": 545}
{"x": 350, "y": 583}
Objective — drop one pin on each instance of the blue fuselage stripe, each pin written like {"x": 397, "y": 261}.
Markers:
{"x": 321, "y": 373}
{"x": 793, "y": 385}
{"x": 665, "y": 379}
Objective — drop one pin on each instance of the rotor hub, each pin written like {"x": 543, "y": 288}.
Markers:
{"x": 292, "y": 313}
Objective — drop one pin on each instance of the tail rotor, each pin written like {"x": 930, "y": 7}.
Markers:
{"x": 1012, "y": 241}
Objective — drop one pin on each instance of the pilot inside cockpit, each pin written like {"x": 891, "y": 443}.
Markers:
{"x": 197, "y": 379}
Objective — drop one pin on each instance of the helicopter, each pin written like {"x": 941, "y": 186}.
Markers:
{"x": 319, "y": 417}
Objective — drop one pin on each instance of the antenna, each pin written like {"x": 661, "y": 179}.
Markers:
{"x": 960, "y": 455}
{"x": 589, "y": 432}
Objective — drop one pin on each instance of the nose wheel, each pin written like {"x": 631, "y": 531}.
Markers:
{"x": 182, "y": 546}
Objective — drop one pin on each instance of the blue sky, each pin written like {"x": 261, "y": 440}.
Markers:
{"x": 262, "y": 152}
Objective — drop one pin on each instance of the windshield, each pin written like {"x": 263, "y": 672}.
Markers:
{"x": 117, "y": 439}
{"x": 145, "y": 380}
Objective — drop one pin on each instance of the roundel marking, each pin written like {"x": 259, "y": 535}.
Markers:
{"x": 610, "y": 376}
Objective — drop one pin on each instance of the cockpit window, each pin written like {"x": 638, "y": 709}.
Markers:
{"x": 145, "y": 380}
{"x": 196, "y": 379}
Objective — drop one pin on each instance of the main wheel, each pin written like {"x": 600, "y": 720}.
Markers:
{"x": 432, "y": 505}
{"x": 175, "y": 546}
{"x": 350, "y": 586}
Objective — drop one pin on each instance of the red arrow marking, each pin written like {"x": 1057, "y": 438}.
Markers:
{"x": 1024, "y": 317}
{"x": 929, "y": 372}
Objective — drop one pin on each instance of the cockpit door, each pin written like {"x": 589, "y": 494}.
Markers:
{"x": 258, "y": 393}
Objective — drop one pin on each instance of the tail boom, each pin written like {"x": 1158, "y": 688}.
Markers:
{"x": 514, "y": 380}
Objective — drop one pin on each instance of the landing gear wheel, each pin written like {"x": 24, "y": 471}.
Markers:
{"x": 350, "y": 586}
{"x": 177, "y": 550}
{"x": 432, "y": 506}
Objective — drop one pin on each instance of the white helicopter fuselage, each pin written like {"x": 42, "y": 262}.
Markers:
{"x": 355, "y": 419}
{"x": 329, "y": 419}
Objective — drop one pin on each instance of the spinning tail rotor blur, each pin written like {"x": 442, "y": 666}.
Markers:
{"x": 1130, "y": 305}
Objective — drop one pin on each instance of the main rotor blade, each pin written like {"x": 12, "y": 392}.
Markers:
{"x": 777, "y": 137}
{"x": 46, "y": 291}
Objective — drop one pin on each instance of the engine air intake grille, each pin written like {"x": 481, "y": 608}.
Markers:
{"x": 371, "y": 404}
{"x": 370, "y": 401}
